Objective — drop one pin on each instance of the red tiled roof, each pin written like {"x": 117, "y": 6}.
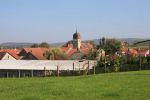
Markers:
{"x": 136, "y": 51}
{"x": 84, "y": 49}
{"x": 2, "y": 55}
{"x": 68, "y": 48}
{"x": 72, "y": 51}
{"x": 133, "y": 52}
{"x": 13, "y": 52}
{"x": 129, "y": 51}
{"x": 144, "y": 52}
{"x": 38, "y": 53}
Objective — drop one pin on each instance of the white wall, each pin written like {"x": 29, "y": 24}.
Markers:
{"x": 7, "y": 56}
{"x": 48, "y": 64}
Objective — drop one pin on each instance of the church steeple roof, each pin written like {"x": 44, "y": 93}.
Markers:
{"x": 76, "y": 35}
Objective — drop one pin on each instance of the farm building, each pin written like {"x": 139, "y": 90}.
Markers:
{"x": 30, "y": 68}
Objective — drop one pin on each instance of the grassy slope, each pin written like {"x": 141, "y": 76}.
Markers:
{"x": 114, "y": 86}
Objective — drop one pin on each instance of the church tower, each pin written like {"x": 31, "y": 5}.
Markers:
{"x": 76, "y": 40}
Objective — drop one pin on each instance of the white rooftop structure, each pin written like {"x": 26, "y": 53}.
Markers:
{"x": 45, "y": 64}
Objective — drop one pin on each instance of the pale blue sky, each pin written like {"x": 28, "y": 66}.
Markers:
{"x": 56, "y": 20}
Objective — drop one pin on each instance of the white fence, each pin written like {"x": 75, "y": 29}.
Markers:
{"x": 46, "y": 64}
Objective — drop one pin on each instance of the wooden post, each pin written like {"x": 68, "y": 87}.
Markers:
{"x": 7, "y": 74}
{"x": 19, "y": 73}
{"x": 24, "y": 74}
{"x": 57, "y": 71}
{"x": 105, "y": 63}
{"x": 73, "y": 68}
{"x": 79, "y": 68}
{"x": 94, "y": 67}
{"x": 89, "y": 67}
{"x": 44, "y": 71}
{"x": 32, "y": 73}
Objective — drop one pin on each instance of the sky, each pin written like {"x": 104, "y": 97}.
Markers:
{"x": 56, "y": 20}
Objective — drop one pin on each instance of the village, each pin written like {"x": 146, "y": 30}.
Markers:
{"x": 73, "y": 57}
{"x": 74, "y": 50}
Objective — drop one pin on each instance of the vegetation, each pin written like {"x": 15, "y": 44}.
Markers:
{"x": 43, "y": 45}
{"x": 56, "y": 54}
{"x": 114, "y": 86}
{"x": 35, "y": 45}
{"x": 92, "y": 54}
{"x": 110, "y": 59}
{"x": 110, "y": 46}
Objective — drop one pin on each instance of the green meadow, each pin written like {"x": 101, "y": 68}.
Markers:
{"x": 111, "y": 86}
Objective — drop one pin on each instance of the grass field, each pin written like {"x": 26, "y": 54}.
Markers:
{"x": 112, "y": 86}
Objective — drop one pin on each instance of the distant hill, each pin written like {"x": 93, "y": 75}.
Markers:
{"x": 59, "y": 44}
{"x": 15, "y": 45}
{"x": 129, "y": 40}
{"x": 96, "y": 41}
{"x": 24, "y": 45}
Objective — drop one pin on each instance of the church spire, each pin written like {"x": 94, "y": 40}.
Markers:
{"x": 76, "y": 30}
{"x": 76, "y": 40}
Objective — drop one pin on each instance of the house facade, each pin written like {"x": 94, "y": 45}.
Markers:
{"x": 6, "y": 56}
{"x": 9, "y": 54}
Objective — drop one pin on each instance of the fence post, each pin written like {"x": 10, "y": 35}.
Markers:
{"x": 89, "y": 67}
{"x": 44, "y": 71}
{"x": 73, "y": 68}
{"x": 57, "y": 71}
{"x": 32, "y": 73}
{"x": 7, "y": 75}
{"x": 94, "y": 67}
{"x": 79, "y": 68}
{"x": 19, "y": 73}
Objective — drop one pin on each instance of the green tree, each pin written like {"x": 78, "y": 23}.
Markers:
{"x": 56, "y": 54}
{"x": 92, "y": 54}
{"x": 110, "y": 46}
{"x": 44, "y": 45}
{"x": 35, "y": 45}
{"x": 117, "y": 64}
{"x": 49, "y": 55}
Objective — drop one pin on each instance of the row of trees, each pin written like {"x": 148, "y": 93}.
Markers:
{"x": 43, "y": 45}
